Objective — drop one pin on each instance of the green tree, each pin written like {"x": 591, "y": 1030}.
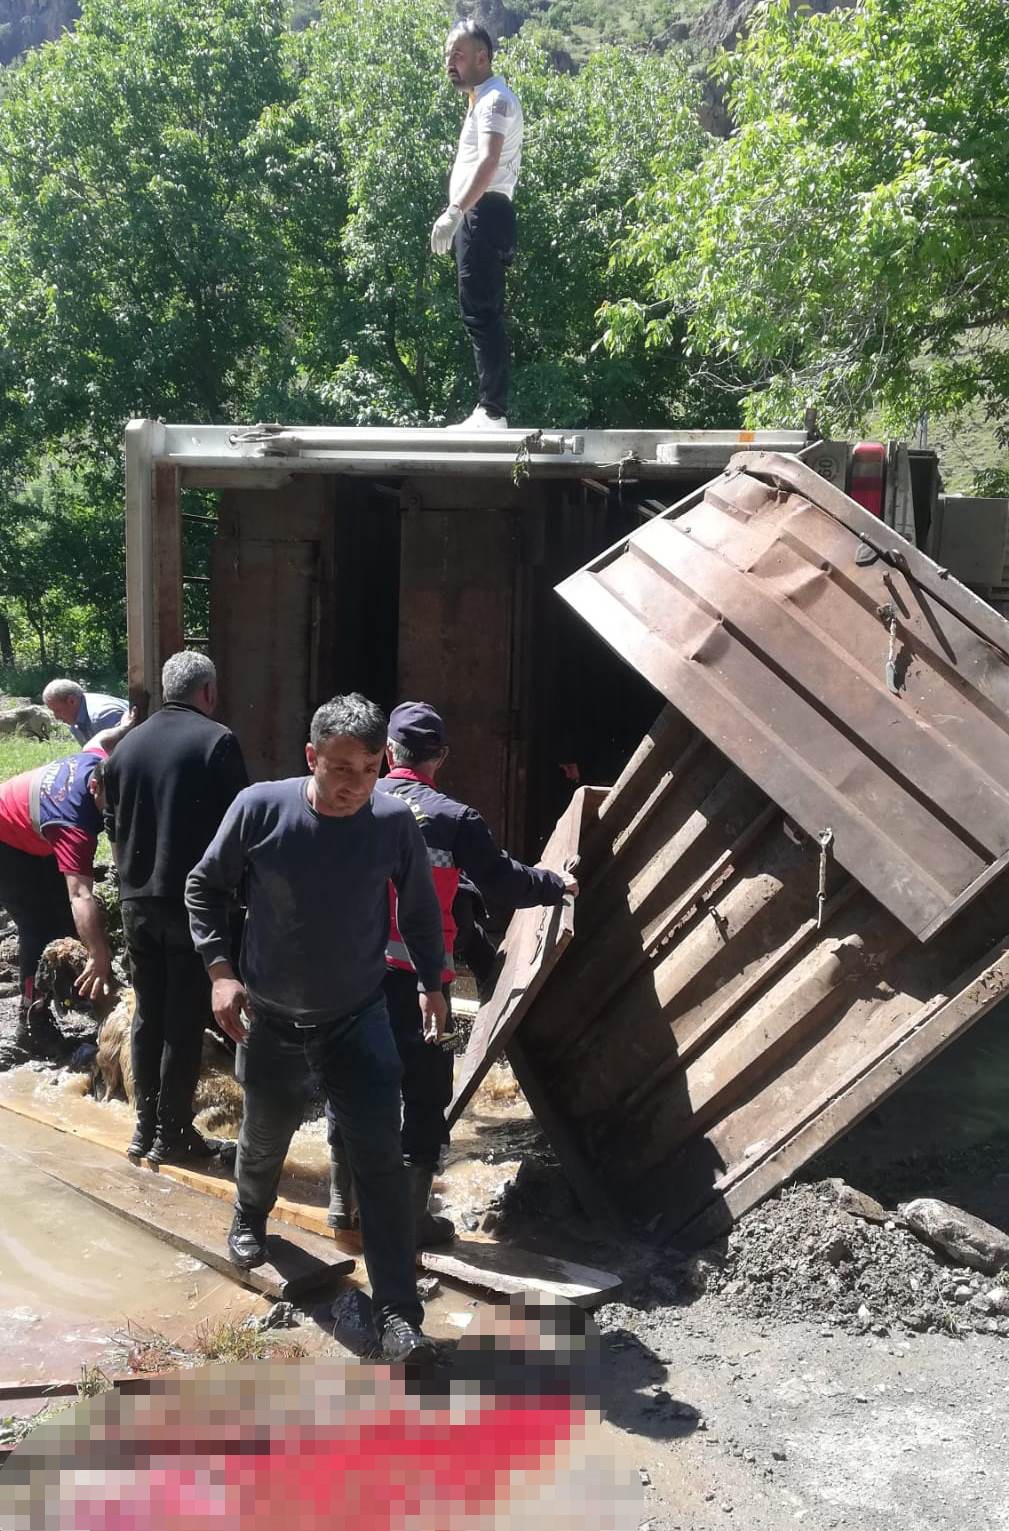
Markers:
{"x": 143, "y": 257}
{"x": 846, "y": 246}
{"x": 392, "y": 347}
{"x": 61, "y": 569}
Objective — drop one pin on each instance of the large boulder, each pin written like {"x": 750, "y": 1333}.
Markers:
{"x": 964, "y": 1238}
{"x": 37, "y": 722}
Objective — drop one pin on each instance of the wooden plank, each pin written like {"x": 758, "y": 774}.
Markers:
{"x": 193, "y": 1224}
{"x": 525, "y": 1265}
{"x": 506, "y": 1268}
{"x": 927, "y": 1032}
{"x": 533, "y": 943}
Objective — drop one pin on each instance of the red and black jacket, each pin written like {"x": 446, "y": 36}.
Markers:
{"x": 458, "y": 840}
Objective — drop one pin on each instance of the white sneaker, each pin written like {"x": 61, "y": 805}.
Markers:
{"x": 480, "y": 420}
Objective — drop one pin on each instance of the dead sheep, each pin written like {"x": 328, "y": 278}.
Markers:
{"x": 37, "y": 722}
{"x": 218, "y": 1094}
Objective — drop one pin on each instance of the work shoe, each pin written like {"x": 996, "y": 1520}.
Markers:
{"x": 141, "y": 1143}
{"x": 402, "y": 1341}
{"x": 480, "y": 420}
{"x": 186, "y": 1147}
{"x": 427, "y": 1227}
{"x": 247, "y": 1240}
{"x": 342, "y": 1201}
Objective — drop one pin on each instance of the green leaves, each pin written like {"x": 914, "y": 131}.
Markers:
{"x": 853, "y": 227}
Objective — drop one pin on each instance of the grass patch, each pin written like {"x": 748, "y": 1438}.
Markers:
{"x": 226, "y": 1340}
{"x": 19, "y": 753}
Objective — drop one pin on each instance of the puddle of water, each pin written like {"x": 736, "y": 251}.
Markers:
{"x": 74, "y": 1276}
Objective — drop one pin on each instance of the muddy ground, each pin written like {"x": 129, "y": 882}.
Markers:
{"x": 821, "y": 1367}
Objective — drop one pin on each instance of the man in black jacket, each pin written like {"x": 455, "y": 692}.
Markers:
{"x": 165, "y": 798}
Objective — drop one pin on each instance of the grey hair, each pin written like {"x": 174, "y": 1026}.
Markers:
{"x": 186, "y": 673}
{"x": 468, "y": 26}
{"x": 350, "y": 717}
{"x": 403, "y": 755}
{"x": 63, "y": 690}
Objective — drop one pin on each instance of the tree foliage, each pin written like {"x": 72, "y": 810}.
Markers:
{"x": 847, "y": 244}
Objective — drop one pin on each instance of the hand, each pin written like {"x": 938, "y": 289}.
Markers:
{"x": 96, "y": 980}
{"x": 570, "y": 884}
{"x": 227, "y": 1000}
{"x": 434, "y": 1014}
{"x": 444, "y": 229}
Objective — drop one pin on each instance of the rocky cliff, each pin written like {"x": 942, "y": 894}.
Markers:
{"x": 26, "y": 23}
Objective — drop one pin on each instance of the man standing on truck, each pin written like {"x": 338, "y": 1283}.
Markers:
{"x": 479, "y": 222}
{"x": 458, "y": 842}
{"x": 315, "y": 856}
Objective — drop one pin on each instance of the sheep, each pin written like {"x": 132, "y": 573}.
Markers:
{"x": 217, "y": 1092}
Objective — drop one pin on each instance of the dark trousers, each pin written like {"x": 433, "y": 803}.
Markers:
{"x": 484, "y": 249}
{"x": 427, "y": 1076}
{"x": 173, "y": 1008}
{"x": 356, "y": 1061}
{"x": 34, "y": 893}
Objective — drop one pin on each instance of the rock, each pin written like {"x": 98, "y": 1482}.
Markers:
{"x": 280, "y": 1316}
{"x": 428, "y": 1287}
{"x": 37, "y": 722}
{"x": 965, "y": 1238}
{"x": 857, "y": 1203}
{"x": 864, "y": 1315}
{"x": 963, "y": 1293}
{"x": 779, "y": 1454}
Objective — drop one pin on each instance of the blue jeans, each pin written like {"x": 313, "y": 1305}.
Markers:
{"x": 356, "y": 1061}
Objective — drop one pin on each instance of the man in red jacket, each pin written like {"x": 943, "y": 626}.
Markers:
{"x": 458, "y": 841}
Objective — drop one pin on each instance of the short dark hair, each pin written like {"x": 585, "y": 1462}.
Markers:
{"x": 350, "y": 717}
{"x": 468, "y": 27}
{"x": 403, "y": 755}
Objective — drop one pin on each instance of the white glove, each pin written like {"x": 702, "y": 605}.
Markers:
{"x": 444, "y": 229}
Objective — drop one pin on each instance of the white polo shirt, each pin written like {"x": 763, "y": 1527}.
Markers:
{"x": 495, "y": 109}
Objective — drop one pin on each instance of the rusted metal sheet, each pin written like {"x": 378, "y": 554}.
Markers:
{"x": 535, "y": 940}
{"x": 700, "y": 1038}
{"x": 863, "y": 691}
{"x": 267, "y": 615}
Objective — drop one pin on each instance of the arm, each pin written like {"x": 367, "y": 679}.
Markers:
{"x": 230, "y": 774}
{"x": 499, "y": 878}
{"x": 211, "y": 888}
{"x": 95, "y": 981}
{"x": 484, "y": 170}
{"x": 108, "y": 738}
{"x": 418, "y": 914}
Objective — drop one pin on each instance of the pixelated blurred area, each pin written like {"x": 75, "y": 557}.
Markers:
{"x": 504, "y": 1434}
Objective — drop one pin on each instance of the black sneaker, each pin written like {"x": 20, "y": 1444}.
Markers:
{"x": 402, "y": 1341}
{"x": 247, "y": 1239}
{"x": 188, "y": 1147}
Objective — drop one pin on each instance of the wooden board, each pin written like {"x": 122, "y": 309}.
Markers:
{"x": 505, "y": 1268}
{"x": 534, "y": 942}
{"x": 521, "y": 1270}
{"x": 193, "y": 1223}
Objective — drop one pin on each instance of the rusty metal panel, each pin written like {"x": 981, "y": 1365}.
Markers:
{"x": 266, "y": 616}
{"x": 863, "y": 691}
{"x": 700, "y": 1038}
{"x": 535, "y": 940}
{"x": 456, "y": 607}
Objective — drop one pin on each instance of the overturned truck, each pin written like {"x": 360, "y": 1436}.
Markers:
{"x": 794, "y": 896}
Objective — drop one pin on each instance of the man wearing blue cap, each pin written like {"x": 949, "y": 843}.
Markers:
{"x": 458, "y": 842}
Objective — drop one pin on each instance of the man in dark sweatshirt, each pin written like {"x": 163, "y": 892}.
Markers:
{"x": 165, "y": 797}
{"x": 315, "y": 856}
